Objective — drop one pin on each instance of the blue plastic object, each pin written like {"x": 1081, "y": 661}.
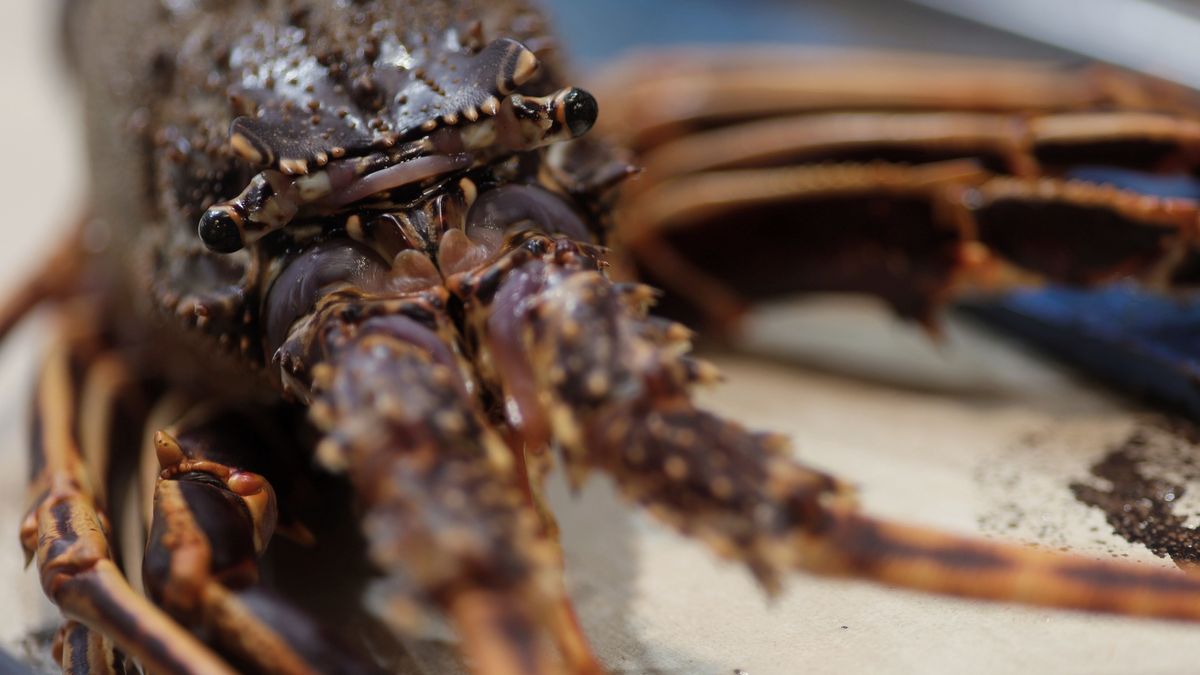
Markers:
{"x": 1146, "y": 345}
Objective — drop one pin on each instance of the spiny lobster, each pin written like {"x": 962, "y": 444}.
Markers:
{"x": 389, "y": 215}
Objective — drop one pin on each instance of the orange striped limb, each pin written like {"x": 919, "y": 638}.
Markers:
{"x": 57, "y": 276}
{"x": 106, "y": 386}
{"x": 69, "y": 535}
{"x": 651, "y": 98}
{"x": 492, "y": 625}
{"x": 853, "y": 545}
{"x": 1026, "y": 147}
{"x": 741, "y": 494}
{"x": 213, "y": 517}
{"x": 532, "y": 464}
{"x": 774, "y": 172}
{"x": 82, "y": 651}
{"x": 915, "y": 236}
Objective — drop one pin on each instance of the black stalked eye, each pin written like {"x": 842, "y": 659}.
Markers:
{"x": 580, "y": 109}
{"x": 219, "y": 230}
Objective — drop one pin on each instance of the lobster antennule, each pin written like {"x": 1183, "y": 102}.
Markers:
{"x": 443, "y": 513}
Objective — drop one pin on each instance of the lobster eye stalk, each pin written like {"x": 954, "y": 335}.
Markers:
{"x": 578, "y": 111}
{"x": 220, "y": 229}
{"x": 527, "y": 122}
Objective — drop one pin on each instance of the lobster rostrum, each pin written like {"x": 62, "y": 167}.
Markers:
{"x": 386, "y": 213}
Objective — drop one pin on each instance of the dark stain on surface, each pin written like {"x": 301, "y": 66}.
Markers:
{"x": 1142, "y": 480}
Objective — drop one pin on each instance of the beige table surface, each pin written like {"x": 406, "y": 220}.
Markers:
{"x": 972, "y": 435}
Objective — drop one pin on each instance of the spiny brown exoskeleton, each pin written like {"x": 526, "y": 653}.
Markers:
{"x": 384, "y": 216}
{"x": 910, "y": 177}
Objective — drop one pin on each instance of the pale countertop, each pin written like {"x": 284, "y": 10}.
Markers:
{"x": 951, "y": 435}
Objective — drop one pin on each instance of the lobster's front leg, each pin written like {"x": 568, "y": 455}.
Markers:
{"x": 213, "y": 516}
{"x": 67, "y": 531}
{"x": 612, "y": 384}
{"x": 83, "y": 651}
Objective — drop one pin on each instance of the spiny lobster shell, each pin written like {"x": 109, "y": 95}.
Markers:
{"x": 190, "y": 101}
{"x": 163, "y": 85}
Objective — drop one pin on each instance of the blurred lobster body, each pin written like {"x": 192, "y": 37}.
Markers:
{"x": 387, "y": 212}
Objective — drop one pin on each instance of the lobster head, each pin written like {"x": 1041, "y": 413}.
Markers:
{"x": 378, "y": 149}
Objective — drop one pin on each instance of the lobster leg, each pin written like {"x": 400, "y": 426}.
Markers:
{"x": 83, "y": 651}
{"x": 531, "y": 466}
{"x": 105, "y": 387}
{"x": 213, "y": 515}
{"x": 616, "y": 396}
{"x": 881, "y": 177}
{"x": 67, "y": 531}
{"x": 651, "y": 99}
{"x": 915, "y": 236}
{"x": 444, "y": 513}
{"x": 55, "y": 278}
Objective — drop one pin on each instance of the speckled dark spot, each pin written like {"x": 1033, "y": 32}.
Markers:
{"x": 1140, "y": 507}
